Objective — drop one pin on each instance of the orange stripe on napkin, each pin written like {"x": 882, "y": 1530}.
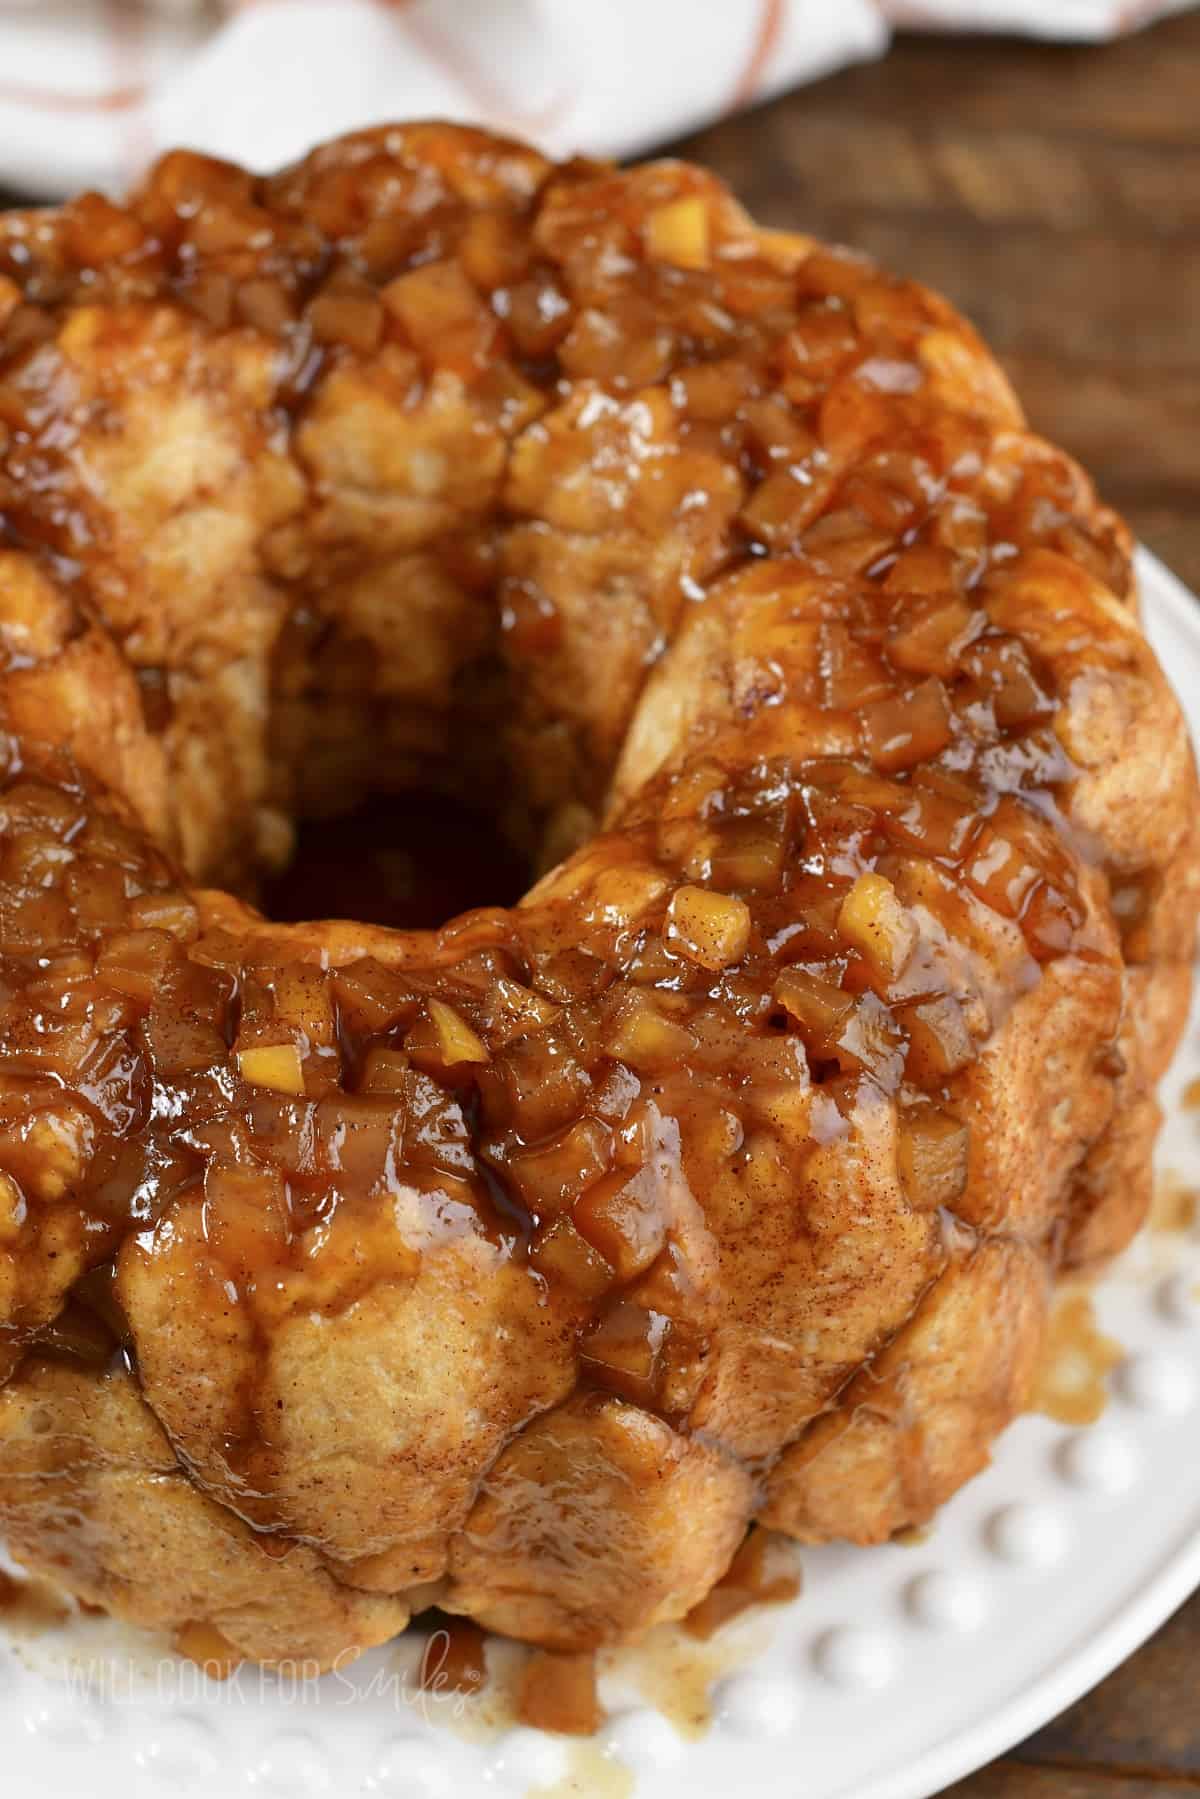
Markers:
{"x": 454, "y": 59}
{"x": 766, "y": 40}
{"x": 48, "y": 99}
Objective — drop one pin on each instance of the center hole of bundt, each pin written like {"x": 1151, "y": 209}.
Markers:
{"x": 408, "y": 860}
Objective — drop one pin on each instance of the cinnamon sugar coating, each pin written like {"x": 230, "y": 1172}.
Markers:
{"x": 519, "y": 1265}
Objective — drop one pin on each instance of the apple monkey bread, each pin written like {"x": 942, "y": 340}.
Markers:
{"x": 520, "y": 1265}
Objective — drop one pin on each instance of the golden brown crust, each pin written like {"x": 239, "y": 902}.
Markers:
{"x": 91, "y": 1492}
{"x": 533, "y": 1257}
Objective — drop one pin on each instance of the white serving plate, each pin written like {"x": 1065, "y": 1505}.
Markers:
{"x": 896, "y": 1672}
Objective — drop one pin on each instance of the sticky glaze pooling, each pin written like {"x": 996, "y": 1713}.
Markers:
{"x": 1071, "y": 1384}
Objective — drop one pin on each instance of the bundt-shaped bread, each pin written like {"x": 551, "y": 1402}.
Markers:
{"x": 518, "y": 1266}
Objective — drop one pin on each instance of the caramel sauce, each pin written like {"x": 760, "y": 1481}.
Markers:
{"x": 1071, "y": 1384}
{"x": 591, "y": 1774}
{"x": 454, "y": 1659}
{"x": 29, "y": 1606}
{"x": 212, "y": 1652}
{"x": 765, "y": 1571}
{"x": 1190, "y": 1097}
{"x": 913, "y": 1536}
{"x": 675, "y": 1671}
{"x": 473, "y": 1712}
{"x": 1175, "y": 1207}
{"x": 558, "y": 1693}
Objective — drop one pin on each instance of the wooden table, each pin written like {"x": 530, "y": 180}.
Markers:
{"x": 1054, "y": 194}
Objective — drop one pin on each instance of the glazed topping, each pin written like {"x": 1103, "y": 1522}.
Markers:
{"x": 481, "y": 403}
{"x": 460, "y": 389}
{"x": 555, "y": 1083}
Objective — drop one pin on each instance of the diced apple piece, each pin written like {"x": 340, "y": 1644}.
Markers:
{"x": 552, "y": 1177}
{"x": 712, "y": 929}
{"x": 852, "y": 672}
{"x": 442, "y": 314}
{"x": 445, "y": 1034}
{"x": 274, "y": 1065}
{"x": 36, "y": 859}
{"x": 282, "y": 1129}
{"x": 846, "y": 542}
{"x": 908, "y": 728}
{"x": 539, "y": 315}
{"x": 560, "y": 1253}
{"x": 932, "y": 1152}
{"x": 621, "y": 1351}
{"x": 783, "y": 1105}
{"x": 375, "y": 996}
{"x": 939, "y": 1043}
{"x": 247, "y": 1217}
{"x": 871, "y": 1040}
{"x": 303, "y": 1000}
{"x": 1000, "y": 871}
{"x": 384, "y": 1069}
{"x": 181, "y": 1043}
{"x": 510, "y": 400}
{"x": 1002, "y": 669}
{"x": 1050, "y": 920}
{"x": 538, "y": 1085}
{"x": 622, "y": 894}
{"x": 696, "y": 790}
{"x": 169, "y": 912}
{"x": 929, "y": 634}
{"x": 352, "y": 317}
{"x": 621, "y": 1217}
{"x": 776, "y": 432}
{"x": 56, "y": 975}
{"x": 926, "y": 569}
{"x": 716, "y": 391}
{"x": 459, "y": 1043}
{"x": 819, "y": 1007}
{"x": 431, "y": 299}
{"x": 873, "y": 920}
{"x": 133, "y": 962}
{"x": 355, "y": 1135}
{"x": 749, "y": 852}
{"x": 863, "y": 787}
{"x": 783, "y": 505}
{"x": 932, "y": 822}
{"x": 262, "y": 303}
{"x": 645, "y": 1037}
{"x": 492, "y": 249}
{"x": 513, "y": 1011}
{"x": 10, "y": 298}
{"x": 678, "y": 232}
{"x": 97, "y": 895}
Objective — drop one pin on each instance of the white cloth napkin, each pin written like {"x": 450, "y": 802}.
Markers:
{"x": 91, "y": 90}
